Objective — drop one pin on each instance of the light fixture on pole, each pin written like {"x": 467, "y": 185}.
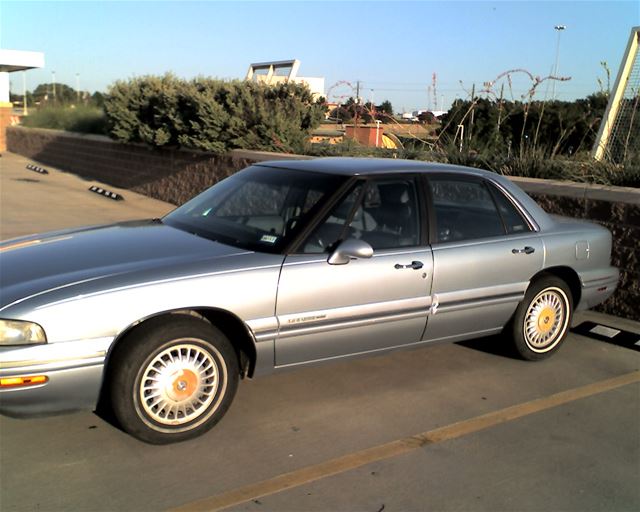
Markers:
{"x": 559, "y": 29}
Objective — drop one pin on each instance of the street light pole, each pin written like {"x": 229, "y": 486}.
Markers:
{"x": 559, "y": 29}
{"x": 53, "y": 79}
{"x": 25, "y": 112}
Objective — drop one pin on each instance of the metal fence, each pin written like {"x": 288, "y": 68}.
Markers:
{"x": 619, "y": 136}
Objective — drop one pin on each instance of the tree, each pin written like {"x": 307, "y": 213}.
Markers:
{"x": 54, "y": 94}
{"x": 97, "y": 99}
{"x": 385, "y": 108}
{"x": 426, "y": 117}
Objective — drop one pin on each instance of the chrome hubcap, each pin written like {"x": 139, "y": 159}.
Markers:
{"x": 179, "y": 384}
{"x": 546, "y": 319}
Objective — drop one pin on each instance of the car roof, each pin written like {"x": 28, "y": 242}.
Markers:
{"x": 347, "y": 166}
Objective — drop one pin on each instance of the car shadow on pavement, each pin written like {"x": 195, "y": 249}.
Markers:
{"x": 104, "y": 410}
{"x": 497, "y": 345}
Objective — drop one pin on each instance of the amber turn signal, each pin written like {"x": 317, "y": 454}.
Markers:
{"x": 14, "y": 382}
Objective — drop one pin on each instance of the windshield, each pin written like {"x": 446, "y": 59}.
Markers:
{"x": 259, "y": 208}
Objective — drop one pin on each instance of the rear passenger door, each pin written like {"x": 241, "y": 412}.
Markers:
{"x": 485, "y": 251}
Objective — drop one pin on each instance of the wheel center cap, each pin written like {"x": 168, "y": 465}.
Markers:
{"x": 183, "y": 384}
{"x": 546, "y": 319}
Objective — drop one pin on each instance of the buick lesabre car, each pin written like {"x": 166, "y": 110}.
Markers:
{"x": 284, "y": 264}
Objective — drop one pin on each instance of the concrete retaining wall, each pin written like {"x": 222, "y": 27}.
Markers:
{"x": 177, "y": 175}
{"x": 169, "y": 174}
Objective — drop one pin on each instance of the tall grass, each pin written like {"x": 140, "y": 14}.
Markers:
{"x": 532, "y": 163}
{"x": 72, "y": 119}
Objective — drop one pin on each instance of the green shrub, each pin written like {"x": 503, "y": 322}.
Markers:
{"x": 72, "y": 119}
{"x": 210, "y": 114}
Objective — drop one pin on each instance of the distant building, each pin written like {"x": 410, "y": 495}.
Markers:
{"x": 10, "y": 62}
{"x": 436, "y": 113}
{"x": 284, "y": 71}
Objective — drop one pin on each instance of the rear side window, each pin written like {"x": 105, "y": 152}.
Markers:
{"x": 464, "y": 210}
{"x": 513, "y": 220}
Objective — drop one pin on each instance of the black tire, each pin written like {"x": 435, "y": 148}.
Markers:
{"x": 542, "y": 320}
{"x": 172, "y": 379}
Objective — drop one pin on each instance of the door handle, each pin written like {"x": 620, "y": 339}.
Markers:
{"x": 526, "y": 250}
{"x": 415, "y": 265}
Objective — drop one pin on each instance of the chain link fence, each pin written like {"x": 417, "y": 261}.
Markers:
{"x": 619, "y": 137}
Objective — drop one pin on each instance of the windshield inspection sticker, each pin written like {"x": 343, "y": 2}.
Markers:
{"x": 270, "y": 239}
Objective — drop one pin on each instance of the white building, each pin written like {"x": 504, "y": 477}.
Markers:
{"x": 284, "y": 71}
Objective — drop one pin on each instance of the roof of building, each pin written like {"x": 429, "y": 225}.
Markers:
{"x": 16, "y": 60}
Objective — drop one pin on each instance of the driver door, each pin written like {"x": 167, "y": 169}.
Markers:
{"x": 368, "y": 304}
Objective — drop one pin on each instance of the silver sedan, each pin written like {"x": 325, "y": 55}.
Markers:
{"x": 281, "y": 265}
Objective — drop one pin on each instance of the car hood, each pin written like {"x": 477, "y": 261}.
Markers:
{"x": 40, "y": 263}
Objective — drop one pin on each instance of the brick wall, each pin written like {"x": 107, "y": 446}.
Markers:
{"x": 177, "y": 175}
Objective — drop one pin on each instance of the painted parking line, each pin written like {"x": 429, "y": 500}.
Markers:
{"x": 392, "y": 449}
{"x": 609, "y": 334}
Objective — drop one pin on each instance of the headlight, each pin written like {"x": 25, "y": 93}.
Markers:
{"x": 17, "y": 332}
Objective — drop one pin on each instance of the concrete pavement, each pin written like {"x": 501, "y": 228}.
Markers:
{"x": 45, "y": 202}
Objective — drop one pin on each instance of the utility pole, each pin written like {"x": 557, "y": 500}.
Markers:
{"x": 78, "y": 88}
{"x": 355, "y": 130}
{"x": 500, "y": 106}
{"x": 559, "y": 29}
{"x": 473, "y": 110}
{"x": 434, "y": 79}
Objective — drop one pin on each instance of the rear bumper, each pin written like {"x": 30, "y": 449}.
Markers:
{"x": 597, "y": 286}
{"x": 74, "y": 372}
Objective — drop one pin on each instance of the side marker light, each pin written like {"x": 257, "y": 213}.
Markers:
{"x": 14, "y": 382}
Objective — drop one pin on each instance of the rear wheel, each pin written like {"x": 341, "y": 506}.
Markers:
{"x": 173, "y": 379}
{"x": 542, "y": 320}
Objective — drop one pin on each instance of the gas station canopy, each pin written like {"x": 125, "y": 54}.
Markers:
{"x": 16, "y": 60}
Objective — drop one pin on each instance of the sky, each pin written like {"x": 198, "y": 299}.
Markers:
{"x": 391, "y": 47}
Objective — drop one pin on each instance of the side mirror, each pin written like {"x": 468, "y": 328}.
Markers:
{"x": 350, "y": 248}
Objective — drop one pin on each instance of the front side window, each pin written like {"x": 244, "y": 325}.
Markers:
{"x": 383, "y": 213}
{"x": 464, "y": 210}
{"x": 260, "y": 208}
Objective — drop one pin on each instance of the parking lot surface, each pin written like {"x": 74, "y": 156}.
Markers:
{"x": 449, "y": 427}
{"x": 45, "y": 202}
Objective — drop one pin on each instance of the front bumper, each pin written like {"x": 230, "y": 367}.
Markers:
{"x": 74, "y": 372}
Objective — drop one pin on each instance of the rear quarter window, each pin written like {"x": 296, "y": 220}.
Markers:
{"x": 514, "y": 222}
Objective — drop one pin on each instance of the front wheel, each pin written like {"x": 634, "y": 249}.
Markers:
{"x": 173, "y": 379}
{"x": 542, "y": 319}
